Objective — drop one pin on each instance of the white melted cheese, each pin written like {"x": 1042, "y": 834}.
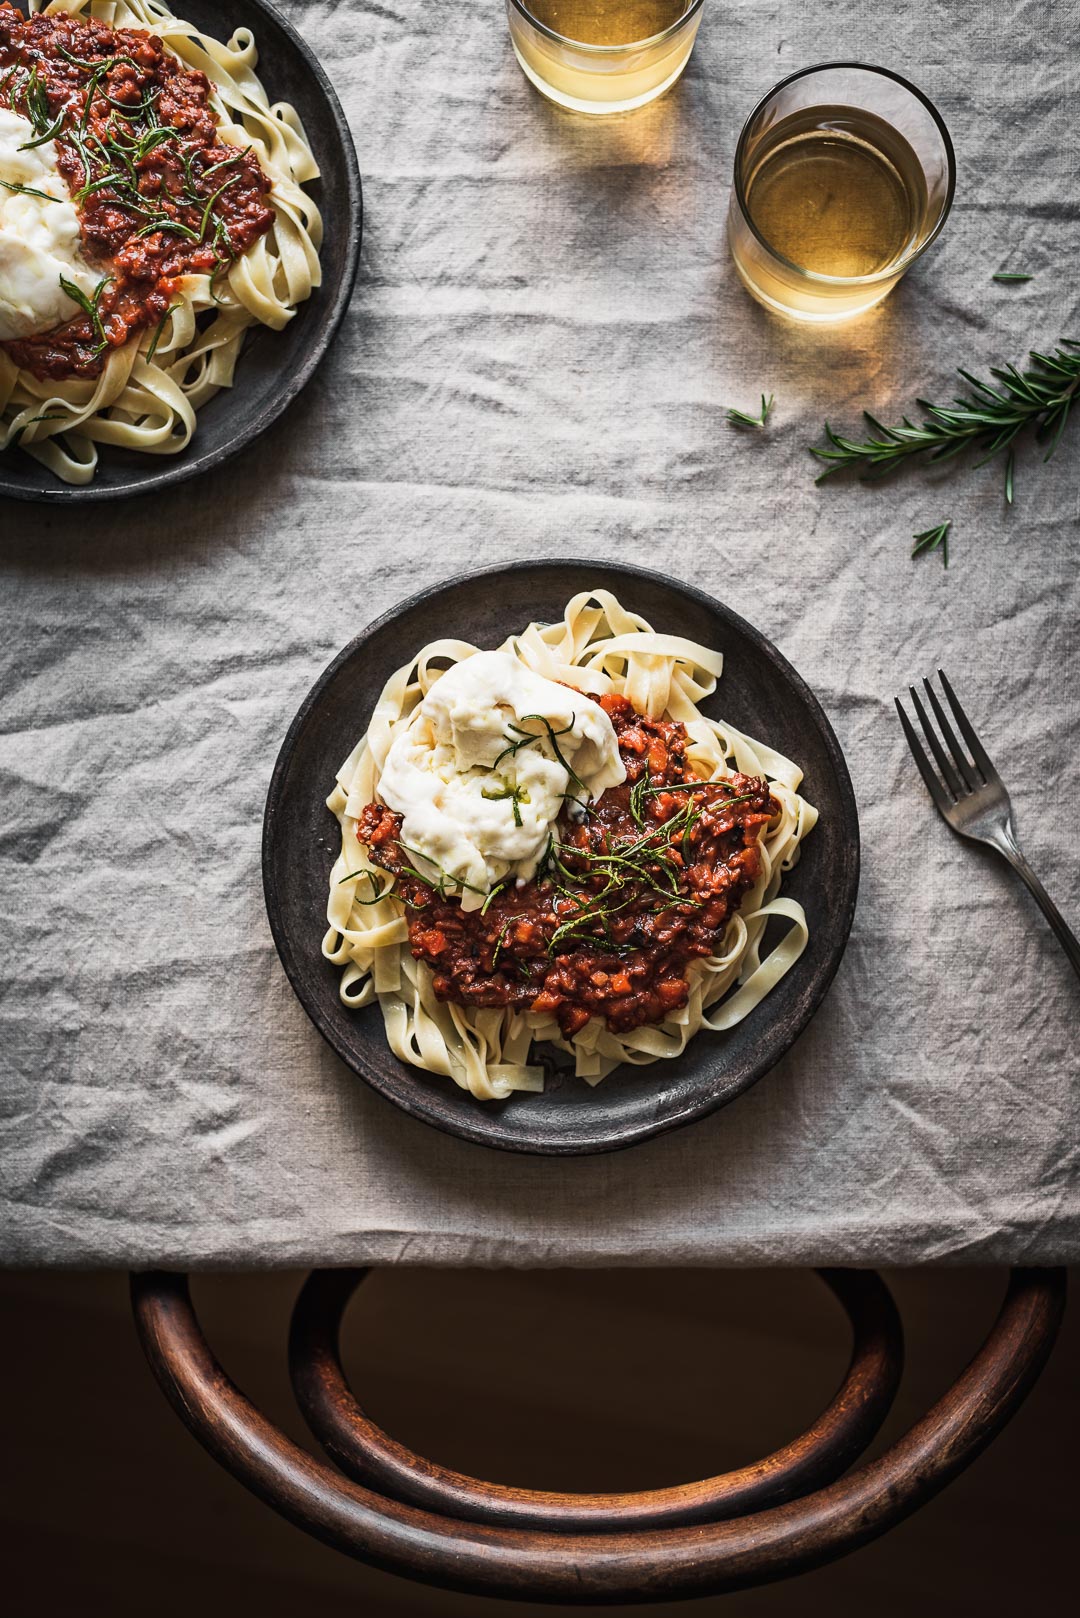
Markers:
{"x": 39, "y": 236}
{"x": 457, "y": 803}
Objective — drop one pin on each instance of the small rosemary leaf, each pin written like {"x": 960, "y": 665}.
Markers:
{"x": 77, "y": 295}
{"x": 1009, "y": 464}
{"x": 378, "y": 886}
{"x": 47, "y": 134}
{"x": 946, "y": 450}
{"x": 155, "y": 340}
{"x": 1011, "y": 275}
{"x": 983, "y": 387}
{"x": 497, "y": 889}
{"x": 28, "y": 191}
{"x": 741, "y": 418}
{"x": 932, "y": 539}
{"x": 1050, "y": 361}
{"x": 1059, "y": 429}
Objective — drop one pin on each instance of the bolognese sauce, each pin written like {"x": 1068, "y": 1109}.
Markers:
{"x": 632, "y": 889}
{"x": 157, "y": 195}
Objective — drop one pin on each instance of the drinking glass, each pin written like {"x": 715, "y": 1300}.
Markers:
{"x": 603, "y": 57}
{"x": 844, "y": 175}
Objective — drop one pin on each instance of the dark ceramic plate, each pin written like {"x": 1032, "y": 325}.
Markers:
{"x": 275, "y": 365}
{"x": 760, "y": 693}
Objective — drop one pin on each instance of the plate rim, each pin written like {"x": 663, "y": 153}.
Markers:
{"x": 648, "y": 1128}
{"x": 182, "y": 467}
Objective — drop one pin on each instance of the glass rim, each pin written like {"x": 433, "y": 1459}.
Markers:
{"x": 909, "y": 258}
{"x": 607, "y": 50}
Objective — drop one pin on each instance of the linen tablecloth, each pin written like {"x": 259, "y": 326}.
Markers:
{"x": 545, "y": 336}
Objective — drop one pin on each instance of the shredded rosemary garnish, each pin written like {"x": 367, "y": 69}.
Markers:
{"x": 36, "y": 101}
{"x": 155, "y": 340}
{"x": 126, "y": 110}
{"x": 649, "y": 862}
{"x": 133, "y": 152}
{"x": 553, "y": 737}
{"x": 48, "y": 415}
{"x": 210, "y": 204}
{"x": 445, "y": 877}
{"x": 225, "y": 162}
{"x": 498, "y": 888}
{"x": 501, "y": 939}
{"x": 591, "y": 886}
{"x": 525, "y": 738}
{"x": 378, "y": 885}
{"x": 28, "y": 191}
{"x": 89, "y": 306}
{"x": 132, "y": 131}
{"x": 93, "y": 85}
{"x": 517, "y": 795}
{"x": 165, "y": 221}
{"x": 76, "y": 61}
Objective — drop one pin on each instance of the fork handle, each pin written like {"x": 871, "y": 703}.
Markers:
{"x": 1006, "y": 844}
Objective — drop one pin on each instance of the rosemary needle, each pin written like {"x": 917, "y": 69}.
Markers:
{"x": 28, "y": 191}
{"x": 739, "y": 418}
{"x": 932, "y": 539}
{"x": 1011, "y": 275}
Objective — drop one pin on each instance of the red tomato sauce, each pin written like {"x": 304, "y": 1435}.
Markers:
{"x": 627, "y": 897}
{"x": 157, "y": 196}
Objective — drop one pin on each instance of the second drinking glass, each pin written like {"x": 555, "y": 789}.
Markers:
{"x": 844, "y": 174}
{"x": 603, "y": 56}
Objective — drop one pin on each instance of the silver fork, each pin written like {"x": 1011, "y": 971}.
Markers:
{"x": 972, "y": 797}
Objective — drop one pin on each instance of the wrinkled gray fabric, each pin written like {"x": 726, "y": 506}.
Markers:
{"x": 544, "y": 338}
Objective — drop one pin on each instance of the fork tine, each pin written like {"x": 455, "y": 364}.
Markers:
{"x": 962, "y": 762}
{"x": 952, "y": 780}
{"x": 978, "y": 751}
{"x": 933, "y": 785}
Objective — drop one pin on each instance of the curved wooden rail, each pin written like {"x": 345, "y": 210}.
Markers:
{"x": 639, "y": 1566}
{"x": 364, "y": 1452}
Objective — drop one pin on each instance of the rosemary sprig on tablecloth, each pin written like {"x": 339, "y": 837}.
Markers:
{"x": 933, "y": 539}
{"x": 988, "y": 419}
{"x": 740, "y": 418}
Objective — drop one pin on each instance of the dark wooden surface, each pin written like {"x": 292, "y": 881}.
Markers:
{"x": 635, "y": 1566}
{"x": 360, "y": 1448}
{"x": 759, "y": 692}
{"x": 594, "y": 1381}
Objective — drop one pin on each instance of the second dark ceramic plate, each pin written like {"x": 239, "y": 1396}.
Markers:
{"x": 760, "y": 693}
{"x": 274, "y": 365}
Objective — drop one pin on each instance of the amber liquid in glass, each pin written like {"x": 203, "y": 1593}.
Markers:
{"x": 602, "y": 55}
{"x": 607, "y": 22}
{"x": 837, "y": 191}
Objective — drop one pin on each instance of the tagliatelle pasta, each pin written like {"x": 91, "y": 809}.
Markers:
{"x": 602, "y": 649}
{"x": 150, "y": 389}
